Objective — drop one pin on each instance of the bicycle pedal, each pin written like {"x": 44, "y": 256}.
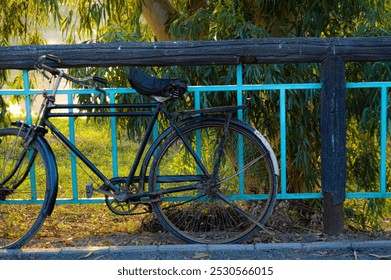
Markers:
{"x": 89, "y": 190}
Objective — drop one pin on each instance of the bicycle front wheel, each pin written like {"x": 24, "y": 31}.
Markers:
{"x": 23, "y": 181}
{"x": 219, "y": 201}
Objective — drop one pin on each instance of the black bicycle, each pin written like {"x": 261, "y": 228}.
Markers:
{"x": 208, "y": 177}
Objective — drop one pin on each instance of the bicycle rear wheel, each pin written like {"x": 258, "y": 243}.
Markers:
{"x": 218, "y": 208}
{"x": 23, "y": 183}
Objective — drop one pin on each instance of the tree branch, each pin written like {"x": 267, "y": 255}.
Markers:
{"x": 157, "y": 13}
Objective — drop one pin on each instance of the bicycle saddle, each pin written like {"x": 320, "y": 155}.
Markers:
{"x": 156, "y": 87}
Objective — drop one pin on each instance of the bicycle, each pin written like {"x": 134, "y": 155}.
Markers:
{"x": 208, "y": 177}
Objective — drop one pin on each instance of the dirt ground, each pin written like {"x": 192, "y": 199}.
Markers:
{"x": 142, "y": 239}
{"x": 290, "y": 222}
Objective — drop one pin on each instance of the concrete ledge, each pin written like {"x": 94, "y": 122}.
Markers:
{"x": 200, "y": 251}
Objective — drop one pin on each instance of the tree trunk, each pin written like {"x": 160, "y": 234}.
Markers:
{"x": 158, "y": 13}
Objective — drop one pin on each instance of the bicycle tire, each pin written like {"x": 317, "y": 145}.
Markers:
{"x": 247, "y": 179}
{"x": 22, "y": 213}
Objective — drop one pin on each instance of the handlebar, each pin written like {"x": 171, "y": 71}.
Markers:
{"x": 40, "y": 65}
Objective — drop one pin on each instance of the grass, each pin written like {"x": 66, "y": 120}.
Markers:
{"x": 88, "y": 220}
{"x": 93, "y": 140}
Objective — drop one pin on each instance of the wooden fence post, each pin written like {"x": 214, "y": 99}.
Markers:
{"x": 333, "y": 141}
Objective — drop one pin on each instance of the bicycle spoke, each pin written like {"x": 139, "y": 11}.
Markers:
{"x": 184, "y": 202}
{"x": 220, "y": 148}
{"x": 242, "y": 212}
{"x": 10, "y": 152}
{"x": 243, "y": 169}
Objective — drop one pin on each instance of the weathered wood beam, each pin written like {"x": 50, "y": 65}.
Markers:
{"x": 231, "y": 52}
{"x": 333, "y": 132}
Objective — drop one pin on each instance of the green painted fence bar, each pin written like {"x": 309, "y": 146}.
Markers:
{"x": 283, "y": 142}
{"x": 113, "y": 127}
{"x": 72, "y": 138}
{"x": 383, "y": 141}
{"x": 239, "y": 89}
{"x": 27, "y": 101}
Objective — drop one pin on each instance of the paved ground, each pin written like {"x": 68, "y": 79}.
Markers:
{"x": 365, "y": 250}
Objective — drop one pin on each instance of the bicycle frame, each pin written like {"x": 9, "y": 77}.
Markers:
{"x": 48, "y": 111}
{"x": 153, "y": 114}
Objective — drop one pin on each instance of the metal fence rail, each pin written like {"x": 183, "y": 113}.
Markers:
{"x": 239, "y": 88}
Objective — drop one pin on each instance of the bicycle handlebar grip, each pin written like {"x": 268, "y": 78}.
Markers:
{"x": 40, "y": 63}
{"x": 100, "y": 80}
{"x": 53, "y": 58}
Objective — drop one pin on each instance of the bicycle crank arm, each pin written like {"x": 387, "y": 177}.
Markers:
{"x": 240, "y": 211}
{"x": 90, "y": 191}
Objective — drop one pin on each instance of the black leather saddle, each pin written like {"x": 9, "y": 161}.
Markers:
{"x": 156, "y": 87}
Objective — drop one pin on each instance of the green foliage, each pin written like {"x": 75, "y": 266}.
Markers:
{"x": 3, "y": 104}
{"x": 23, "y": 22}
{"x": 369, "y": 214}
{"x": 3, "y": 113}
{"x": 103, "y": 21}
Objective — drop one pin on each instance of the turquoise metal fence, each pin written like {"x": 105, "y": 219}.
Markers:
{"x": 239, "y": 88}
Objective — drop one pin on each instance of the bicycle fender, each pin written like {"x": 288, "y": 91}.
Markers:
{"x": 52, "y": 186}
{"x": 256, "y": 133}
{"x": 263, "y": 140}
{"x": 269, "y": 149}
